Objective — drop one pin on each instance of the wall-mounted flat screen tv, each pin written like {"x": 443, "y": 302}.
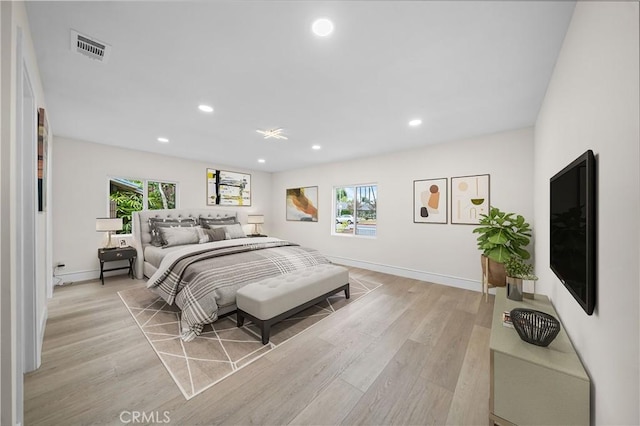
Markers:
{"x": 573, "y": 229}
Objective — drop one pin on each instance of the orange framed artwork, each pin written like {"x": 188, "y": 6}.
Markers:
{"x": 430, "y": 201}
{"x": 302, "y": 204}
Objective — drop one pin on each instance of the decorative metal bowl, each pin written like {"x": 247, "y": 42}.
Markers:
{"x": 535, "y": 327}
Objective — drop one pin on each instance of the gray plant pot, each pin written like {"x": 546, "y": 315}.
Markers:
{"x": 514, "y": 288}
{"x": 529, "y": 289}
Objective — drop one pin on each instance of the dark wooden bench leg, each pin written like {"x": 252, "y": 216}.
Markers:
{"x": 266, "y": 331}
{"x": 265, "y": 325}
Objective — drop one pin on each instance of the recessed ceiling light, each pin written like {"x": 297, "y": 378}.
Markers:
{"x": 261, "y": 160}
{"x": 205, "y": 108}
{"x": 163, "y": 140}
{"x": 416, "y": 122}
{"x": 322, "y": 27}
{"x": 316, "y": 147}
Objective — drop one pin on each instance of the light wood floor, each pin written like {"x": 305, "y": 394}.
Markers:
{"x": 410, "y": 352}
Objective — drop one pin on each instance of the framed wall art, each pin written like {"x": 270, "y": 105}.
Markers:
{"x": 43, "y": 142}
{"x": 469, "y": 199}
{"x": 430, "y": 201}
{"x": 302, "y": 204}
{"x": 228, "y": 188}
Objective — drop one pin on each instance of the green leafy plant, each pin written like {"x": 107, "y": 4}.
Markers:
{"x": 516, "y": 268}
{"x": 161, "y": 195}
{"x": 127, "y": 202}
{"x": 503, "y": 235}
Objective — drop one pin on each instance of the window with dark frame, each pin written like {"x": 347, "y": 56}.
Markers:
{"x": 355, "y": 210}
{"x": 130, "y": 195}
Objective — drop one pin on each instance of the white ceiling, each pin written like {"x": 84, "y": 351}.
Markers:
{"x": 465, "y": 68}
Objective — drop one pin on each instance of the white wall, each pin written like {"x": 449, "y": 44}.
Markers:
{"x": 14, "y": 18}
{"x": 7, "y": 284}
{"x": 593, "y": 103}
{"x": 43, "y": 272}
{"x": 81, "y": 191}
{"x": 44, "y": 268}
{"x": 439, "y": 253}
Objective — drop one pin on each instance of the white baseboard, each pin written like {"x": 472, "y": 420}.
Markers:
{"x": 43, "y": 324}
{"x": 431, "y": 277}
{"x": 91, "y": 275}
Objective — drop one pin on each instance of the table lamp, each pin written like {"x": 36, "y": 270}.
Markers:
{"x": 255, "y": 220}
{"x": 108, "y": 224}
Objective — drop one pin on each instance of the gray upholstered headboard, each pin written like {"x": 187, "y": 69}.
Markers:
{"x": 142, "y": 233}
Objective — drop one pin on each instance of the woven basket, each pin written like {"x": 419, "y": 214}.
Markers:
{"x": 535, "y": 327}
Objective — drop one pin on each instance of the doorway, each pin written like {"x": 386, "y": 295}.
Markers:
{"x": 27, "y": 357}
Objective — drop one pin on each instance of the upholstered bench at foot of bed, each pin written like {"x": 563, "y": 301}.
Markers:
{"x": 271, "y": 300}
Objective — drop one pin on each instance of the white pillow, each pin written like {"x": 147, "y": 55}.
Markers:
{"x": 203, "y": 237}
{"x": 234, "y": 231}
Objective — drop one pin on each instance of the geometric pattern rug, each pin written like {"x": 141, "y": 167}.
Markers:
{"x": 222, "y": 348}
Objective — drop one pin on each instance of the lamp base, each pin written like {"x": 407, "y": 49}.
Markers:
{"x": 109, "y": 246}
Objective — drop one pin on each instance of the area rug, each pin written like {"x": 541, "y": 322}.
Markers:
{"x": 222, "y": 348}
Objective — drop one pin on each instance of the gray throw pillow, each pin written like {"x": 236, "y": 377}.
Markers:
{"x": 210, "y": 222}
{"x": 179, "y": 236}
{"x": 216, "y": 234}
{"x": 156, "y": 223}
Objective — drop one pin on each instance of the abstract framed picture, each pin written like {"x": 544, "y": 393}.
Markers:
{"x": 430, "y": 201}
{"x": 302, "y": 204}
{"x": 43, "y": 142}
{"x": 228, "y": 188}
{"x": 470, "y": 197}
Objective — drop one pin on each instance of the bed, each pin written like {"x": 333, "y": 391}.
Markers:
{"x": 203, "y": 276}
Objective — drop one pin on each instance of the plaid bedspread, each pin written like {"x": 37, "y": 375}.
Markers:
{"x": 201, "y": 281}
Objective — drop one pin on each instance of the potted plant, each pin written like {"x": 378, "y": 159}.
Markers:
{"x": 520, "y": 278}
{"x": 502, "y": 236}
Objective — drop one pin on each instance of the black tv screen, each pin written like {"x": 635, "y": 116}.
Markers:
{"x": 573, "y": 229}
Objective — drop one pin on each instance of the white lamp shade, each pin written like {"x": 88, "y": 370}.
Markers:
{"x": 104, "y": 224}
{"x": 255, "y": 219}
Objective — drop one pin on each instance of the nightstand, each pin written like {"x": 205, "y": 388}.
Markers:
{"x": 112, "y": 255}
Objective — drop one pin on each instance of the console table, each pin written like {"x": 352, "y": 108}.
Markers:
{"x": 532, "y": 384}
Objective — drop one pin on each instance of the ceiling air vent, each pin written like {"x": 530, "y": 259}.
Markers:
{"x": 90, "y": 47}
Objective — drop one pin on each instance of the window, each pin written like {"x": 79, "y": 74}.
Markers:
{"x": 130, "y": 195}
{"x": 355, "y": 209}
{"x": 161, "y": 195}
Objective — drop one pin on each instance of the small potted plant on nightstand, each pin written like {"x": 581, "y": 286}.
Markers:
{"x": 520, "y": 279}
